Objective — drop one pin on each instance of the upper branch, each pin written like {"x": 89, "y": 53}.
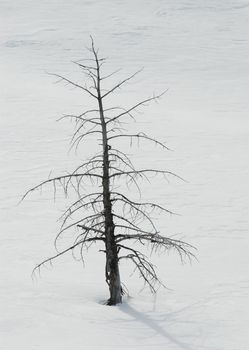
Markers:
{"x": 74, "y": 84}
{"x": 121, "y": 83}
{"x": 135, "y": 107}
{"x": 59, "y": 179}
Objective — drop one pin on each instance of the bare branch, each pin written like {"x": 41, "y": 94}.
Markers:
{"x": 129, "y": 228}
{"x": 59, "y": 179}
{"x": 145, "y": 268}
{"x": 80, "y": 118}
{"x": 122, "y": 160}
{"x": 123, "y": 155}
{"x": 92, "y": 229}
{"x": 150, "y": 204}
{"x": 78, "y": 139}
{"x": 141, "y": 212}
{"x": 65, "y": 251}
{"x": 74, "y": 84}
{"x": 84, "y": 221}
{"x": 87, "y": 68}
{"x": 110, "y": 75}
{"x": 125, "y": 220}
{"x": 121, "y": 83}
{"x": 82, "y": 206}
{"x": 89, "y": 111}
{"x": 138, "y": 136}
{"x": 81, "y": 199}
{"x": 142, "y": 103}
{"x": 76, "y": 223}
{"x": 139, "y": 172}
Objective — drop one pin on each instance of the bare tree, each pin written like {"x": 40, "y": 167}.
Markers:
{"x": 108, "y": 216}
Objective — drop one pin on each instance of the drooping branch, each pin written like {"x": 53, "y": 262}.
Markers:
{"x": 123, "y": 156}
{"x": 84, "y": 233}
{"x": 60, "y": 179}
{"x": 125, "y": 220}
{"x": 91, "y": 163}
{"x": 117, "y": 157}
{"x": 80, "y": 201}
{"x": 81, "y": 116}
{"x": 76, "y": 140}
{"x": 140, "y": 212}
{"x": 142, "y": 264}
{"x": 77, "y": 223}
{"x": 143, "y": 204}
{"x": 82, "y": 222}
{"x": 160, "y": 242}
{"x": 85, "y": 206}
{"x": 142, "y": 171}
{"x": 49, "y": 260}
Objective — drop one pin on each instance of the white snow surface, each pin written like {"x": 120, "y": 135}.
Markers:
{"x": 199, "y": 51}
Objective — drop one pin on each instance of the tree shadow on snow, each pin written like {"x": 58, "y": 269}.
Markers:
{"x": 152, "y": 324}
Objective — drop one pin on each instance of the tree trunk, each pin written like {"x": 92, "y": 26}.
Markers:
{"x": 112, "y": 267}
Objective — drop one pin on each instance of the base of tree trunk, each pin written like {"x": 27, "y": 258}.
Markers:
{"x": 111, "y": 302}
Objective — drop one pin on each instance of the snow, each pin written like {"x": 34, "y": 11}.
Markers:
{"x": 199, "y": 51}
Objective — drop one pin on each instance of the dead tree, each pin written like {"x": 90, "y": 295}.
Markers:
{"x": 108, "y": 216}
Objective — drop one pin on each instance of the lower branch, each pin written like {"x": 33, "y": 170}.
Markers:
{"x": 145, "y": 268}
{"x": 92, "y": 239}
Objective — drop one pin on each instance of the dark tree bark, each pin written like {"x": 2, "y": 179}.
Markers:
{"x": 112, "y": 267}
{"x": 92, "y": 213}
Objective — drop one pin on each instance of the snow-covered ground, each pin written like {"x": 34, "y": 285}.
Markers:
{"x": 197, "y": 49}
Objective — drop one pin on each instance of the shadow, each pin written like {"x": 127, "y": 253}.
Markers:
{"x": 152, "y": 324}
